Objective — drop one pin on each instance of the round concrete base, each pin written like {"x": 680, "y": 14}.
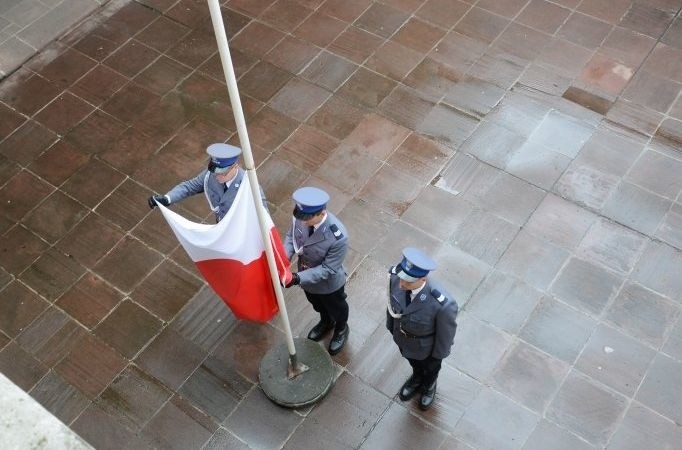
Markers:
{"x": 305, "y": 388}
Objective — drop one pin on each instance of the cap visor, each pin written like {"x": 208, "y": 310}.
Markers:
{"x": 300, "y": 215}
{"x": 402, "y": 275}
{"x": 220, "y": 170}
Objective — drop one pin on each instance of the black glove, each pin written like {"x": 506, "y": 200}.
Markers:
{"x": 295, "y": 279}
{"x": 162, "y": 199}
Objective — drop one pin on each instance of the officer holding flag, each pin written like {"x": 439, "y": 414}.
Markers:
{"x": 220, "y": 182}
{"x": 321, "y": 243}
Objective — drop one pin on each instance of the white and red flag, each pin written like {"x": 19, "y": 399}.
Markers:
{"x": 231, "y": 256}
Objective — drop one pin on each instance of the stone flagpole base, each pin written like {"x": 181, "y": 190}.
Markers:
{"x": 303, "y": 389}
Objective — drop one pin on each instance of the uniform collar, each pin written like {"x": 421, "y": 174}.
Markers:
{"x": 417, "y": 302}
{"x": 418, "y": 290}
{"x": 229, "y": 182}
{"x": 321, "y": 222}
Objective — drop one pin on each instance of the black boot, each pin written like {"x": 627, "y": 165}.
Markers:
{"x": 323, "y": 327}
{"x": 410, "y": 387}
{"x": 427, "y": 397}
{"x": 338, "y": 340}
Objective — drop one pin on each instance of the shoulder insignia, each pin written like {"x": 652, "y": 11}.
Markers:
{"x": 422, "y": 297}
{"x": 440, "y": 297}
{"x": 335, "y": 231}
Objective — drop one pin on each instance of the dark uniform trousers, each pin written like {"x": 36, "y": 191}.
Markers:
{"x": 331, "y": 307}
{"x": 426, "y": 369}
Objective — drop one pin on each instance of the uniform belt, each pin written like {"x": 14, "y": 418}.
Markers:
{"x": 414, "y": 336}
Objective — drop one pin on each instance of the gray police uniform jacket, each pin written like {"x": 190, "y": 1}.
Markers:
{"x": 219, "y": 199}
{"x": 427, "y": 326}
{"x": 321, "y": 255}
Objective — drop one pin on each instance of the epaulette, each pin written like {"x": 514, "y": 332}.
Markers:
{"x": 440, "y": 297}
{"x": 335, "y": 231}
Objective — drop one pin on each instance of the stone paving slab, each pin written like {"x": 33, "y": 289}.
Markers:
{"x": 533, "y": 147}
{"x": 27, "y": 26}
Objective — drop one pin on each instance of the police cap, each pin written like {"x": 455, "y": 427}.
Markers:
{"x": 309, "y": 201}
{"x": 415, "y": 264}
{"x": 223, "y": 157}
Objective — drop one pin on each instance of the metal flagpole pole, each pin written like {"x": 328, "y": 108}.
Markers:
{"x": 231, "y": 80}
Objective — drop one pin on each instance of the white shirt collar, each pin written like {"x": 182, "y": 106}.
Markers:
{"x": 319, "y": 224}
{"x": 418, "y": 290}
{"x": 229, "y": 182}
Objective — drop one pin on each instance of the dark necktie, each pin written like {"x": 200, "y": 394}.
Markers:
{"x": 224, "y": 187}
{"x": 408, "y": 298}
{"x": 311, "y": 230}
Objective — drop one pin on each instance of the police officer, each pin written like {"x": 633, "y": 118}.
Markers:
{"x": 421, "y": 319}
{"x": 220, "y": 182}
{"x": 319, "y": 239}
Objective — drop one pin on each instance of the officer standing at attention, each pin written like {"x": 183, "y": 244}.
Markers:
{"x": 220, "y": 182}
{"x": 421, "y": 319}
{"x": 319, "y": 239}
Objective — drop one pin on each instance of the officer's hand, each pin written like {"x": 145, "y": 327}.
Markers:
{"x": 295, "y": 279}
{"x": 162, "y": 199}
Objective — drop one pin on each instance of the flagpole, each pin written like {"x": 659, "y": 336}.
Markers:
{"x": 231, "y": 80}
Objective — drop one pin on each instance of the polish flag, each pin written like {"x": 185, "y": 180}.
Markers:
{"x": 231, "y": 256}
